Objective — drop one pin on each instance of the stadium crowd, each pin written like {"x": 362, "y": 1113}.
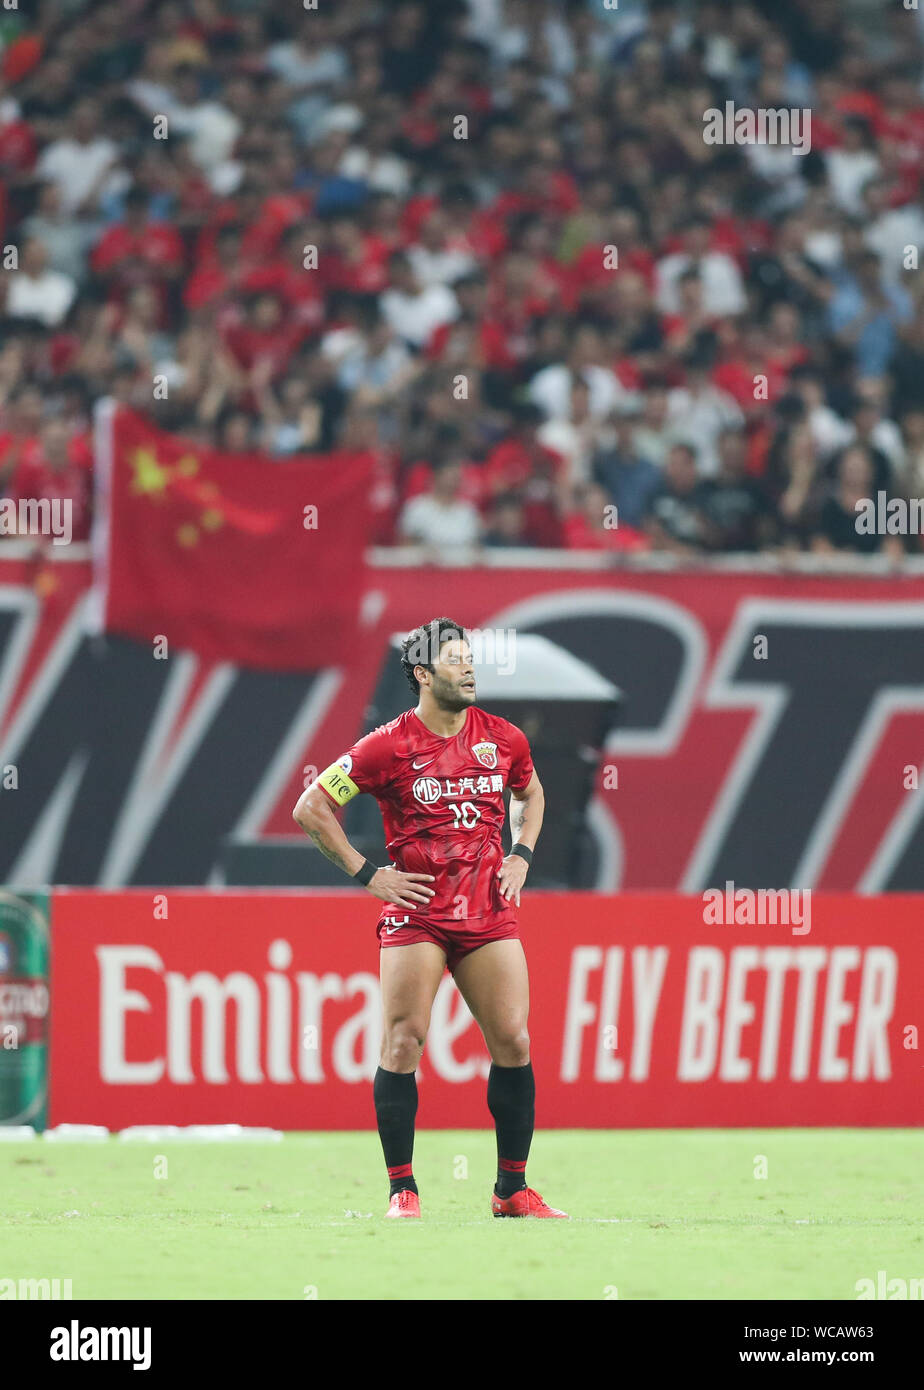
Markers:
{"x": 557, "y": 315}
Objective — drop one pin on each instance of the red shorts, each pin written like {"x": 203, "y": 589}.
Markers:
{"x": 456, "y": 939}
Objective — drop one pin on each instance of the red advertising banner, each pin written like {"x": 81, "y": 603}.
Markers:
{"x": 652, "y": 1010}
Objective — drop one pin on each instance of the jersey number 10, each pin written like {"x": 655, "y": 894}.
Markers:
{"x": 467, "y": 815}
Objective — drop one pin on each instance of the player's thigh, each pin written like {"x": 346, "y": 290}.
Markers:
{"x": 410, "y": 977}
{"x": 494, "y": 982}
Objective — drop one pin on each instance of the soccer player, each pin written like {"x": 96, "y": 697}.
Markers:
{"x": 438, "y": 773}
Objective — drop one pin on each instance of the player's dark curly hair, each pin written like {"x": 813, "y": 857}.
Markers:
{"x": 422, "y": 646}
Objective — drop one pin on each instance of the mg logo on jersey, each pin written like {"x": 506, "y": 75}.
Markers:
{"x": 427, "y": 790}
{"x": 486, "y": 753}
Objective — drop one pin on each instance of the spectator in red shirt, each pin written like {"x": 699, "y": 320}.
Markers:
{"x": 477, "y": 228}
{"x": 477, "y": 338}
{"x": 266, "y": 334}
{"x": 447, "y": 443}
{"x": 251, "y": 208}
{"x": 515, "y": 300}
{"x": 220, "y": 274}
{"x": 138, "y": 251}
{"x": 593, "y": 267}
{"x": 785, "y": 346}
{"x": 543, "y": 185}
{"x": 749, "y": 375}
{"x": 594, "y": 523}
{"x": 21, "y": 422}
{"x": 60, "y": 469}
{"x": 384, "y": 221}
{"x": 522, "y": 465}
{"x": 353, "y": 260}
{"x": 683, "y": 328}
{"x": 18, "y": 145}
{"x": 534, "y": 237}
{"x": 292, "y": 274}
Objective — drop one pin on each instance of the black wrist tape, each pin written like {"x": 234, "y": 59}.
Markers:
{"x": 524, "y": 852}
{"x": 365, "y": 872}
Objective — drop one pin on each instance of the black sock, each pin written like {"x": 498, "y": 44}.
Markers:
{"x": 512, "y": 1102}
{"x": 395, "y": 1096}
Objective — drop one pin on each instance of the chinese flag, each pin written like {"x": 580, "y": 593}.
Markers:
{"x": 240, "y": 558}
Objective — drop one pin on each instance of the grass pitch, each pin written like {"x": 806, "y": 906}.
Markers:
{"x": 655, "y": 1214}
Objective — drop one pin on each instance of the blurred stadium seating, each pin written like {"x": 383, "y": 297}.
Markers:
{"x": 748, "y": 365}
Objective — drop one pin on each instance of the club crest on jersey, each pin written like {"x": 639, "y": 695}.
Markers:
{"x": 486, "y": 753}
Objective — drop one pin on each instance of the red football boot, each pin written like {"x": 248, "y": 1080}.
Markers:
{"x": 526, "y": 1202}
{"x": 404, "y": 1203}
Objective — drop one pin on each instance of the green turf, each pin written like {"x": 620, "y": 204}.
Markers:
{"x": 655, "y": 1214}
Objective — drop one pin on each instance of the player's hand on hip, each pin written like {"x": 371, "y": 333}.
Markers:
{"x": 512, "y": 875}
{"x": 403, "y": 890}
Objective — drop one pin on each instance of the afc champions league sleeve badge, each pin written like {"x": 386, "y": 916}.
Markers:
{"x": 486, "y": 753}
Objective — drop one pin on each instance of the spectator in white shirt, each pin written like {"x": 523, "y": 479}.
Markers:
{"x": 36, "y": 292}
{"x": 80, "y": 163}
{"x": 440, "y": 519}
{"x": 414, "y": 310}
{"x": 313, "y": 65}
{"x": 371, "y": 159}
{"x": 652, "y": 436}
{"x": 870, "y": 424}
{"x": 723, "y": 288}
{"x": 891, "y": 230}
{"x": 852, "y": 166}
{"x": 829, "y": 432}
{"x": 575, "y": 438}
{"x": 552, "y": 387}
{"x": 434, "y": 258}
{"x": 376, "y": 367}
{"x": 698, "y": 412}
{"x": 212, "y": 129}
{"x": 311, "y": 59}
{"x": 67, "y": 240}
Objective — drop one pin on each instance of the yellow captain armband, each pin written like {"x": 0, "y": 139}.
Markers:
{"x": 337, "y": 782}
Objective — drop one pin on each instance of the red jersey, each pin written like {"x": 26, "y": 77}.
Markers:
{"x": 442, "y": 802}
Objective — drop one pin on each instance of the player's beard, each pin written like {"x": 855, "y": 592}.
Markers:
{"x": 448, "y": 697}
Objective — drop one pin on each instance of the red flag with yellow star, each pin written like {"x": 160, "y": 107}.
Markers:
{"x": 241, "y": 558}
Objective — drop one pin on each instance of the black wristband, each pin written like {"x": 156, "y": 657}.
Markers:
{"x": 524, "y": 852}
{"x": 366, "y": 872}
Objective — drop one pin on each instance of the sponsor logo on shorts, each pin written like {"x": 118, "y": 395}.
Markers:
{"x": 398, "y": 924}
